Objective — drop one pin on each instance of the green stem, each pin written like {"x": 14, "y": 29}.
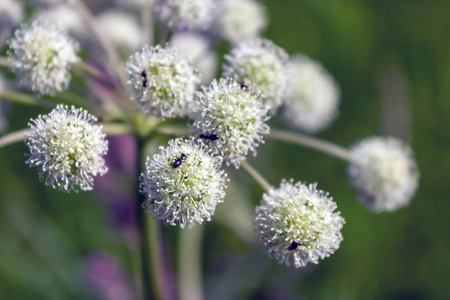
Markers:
{"x": 173, "y": 130}
{"x": 25, "y": 99}
{"x": 89, "y": 69}
{"x": 311, "y": 142}
{"x": 189, "y": 273}
{"x": 158, "y": 273}
{"x": 14, "y": 137}
{"x": 4, "y": 62}
{"x": 104, "y": 41}
{"x": 115, "y": 128}
{"x": 147, "y": 24}
{"x": 256, "y": 176}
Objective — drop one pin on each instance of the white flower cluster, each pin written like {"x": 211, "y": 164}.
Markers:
{"x": 122, "y": 28}
{"x": 41, "y": 57}
{"x": 67, "y": 149}
{"x": 298, "y": 224}
{"x": 163, "y": 81}
{"x": 186, "y": 14}
{"x": 311, "y": 96}
{"x": 384, "y": 173}
{"x": 261, "y": 63}
{"x": 11, "y": 15}
{"x": 197, "y": 48}
{"x": 65, "y": 17}
{"x": 183, "y": 183}
{"x": 241, "y": 20}
{"x": 234, "y": 113}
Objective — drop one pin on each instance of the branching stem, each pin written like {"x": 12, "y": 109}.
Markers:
{"x": 258, "y": 178}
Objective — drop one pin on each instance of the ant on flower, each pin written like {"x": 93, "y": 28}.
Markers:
{"x": 211, "y": 137}
{"x": 178, "y": 161}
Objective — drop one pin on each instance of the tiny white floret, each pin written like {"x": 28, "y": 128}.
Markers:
{"x": 183, "y": 183}
{"x": 384, "y": 173}
{"x": 67, "y": 149}
{"x": 186, "y": 13}
{"x": 298, "y": 223}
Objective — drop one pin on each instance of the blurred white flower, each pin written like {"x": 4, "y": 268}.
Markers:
{"x": 298, "y": 225}
{"x": 235, "y": 115}
{"x": 384, "y": 173}
{"x": 241, "y": 20}
{"x": 183, "y": 183}
{"x": 11, "y": 15}
{"x": 186, "y": 13}
{"x": 163, "y": 81}
{"x": 122, "y": 28}
{"x": 311, "y": 97}
{"x": 261, "y": 63}
{"x": 67, "y": 148}
{"x": 197, "y": 47}
{"x": 41, "y": 57}
{"x": 65, "y": 17}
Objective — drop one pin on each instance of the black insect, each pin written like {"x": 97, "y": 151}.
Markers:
{"x": 211, "y": 137}
{"x": 294, "y": 245}
{"x": 144, "y": 76}
{"x": 243, "y": 86}
{"x": 177, "y": 161}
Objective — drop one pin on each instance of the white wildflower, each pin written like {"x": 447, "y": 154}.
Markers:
{"x": 384, "y": 173}
{"x": 67, "y": 149}
{"x": 65, "y": 17}
{"x": 197, "y": 47}
{"x": 186, "y": 13}
{"x": 234, "y": 114}
{"x": 163, "y": 81}
{"x": 11, "y": 15}
{"x": 241, "y": 20}
{"x": 41, "y": 57}
{"x": 298, "y": 224}
{"x": 122, "y": 28}
{"x": 183, "y": 183}
{"x": 261, "y": 63}
{"x": 311, "y": 97}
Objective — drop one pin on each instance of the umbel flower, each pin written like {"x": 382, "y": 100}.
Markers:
{"x": 186, "y": 14}
{"x": 298, "y": 224}
{"x": 384, "y": 173}
{"x": 11, "y": 15}
{"x": 234, "y": 113}
{"x": 311, "y": 95}
{"x": 163, "y": 81}
{"x": 241, "y": 20}
{"x": 67, "y": 148}
{"x": 41, "y": 56}
{"x": 183, "y": 183}
{"x": 262, "y": 63}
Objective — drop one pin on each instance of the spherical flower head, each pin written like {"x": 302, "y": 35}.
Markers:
{"x": 163, "y": 81}
{"x": 241, "y": 20}
{"x": 65, "y": 17}
{"x": 311, "y": 97}
{"x": 183, "y": 183}
{"x": 41, "y": 57}
{"x": 197, "y": 48}
{"x": 67, "y": 148}
{"x": 122, "y": 28}
{"x": 188, "y": 14}
{"x": 384, "y": 173}
{"x": 261, "y": 63}
{"x": 234, "y": 114}
{"x": 11, "y": 15}
{"x": 298, "y": 223}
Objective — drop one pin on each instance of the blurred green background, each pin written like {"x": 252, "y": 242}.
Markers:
{"x": 392, "y": 61}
